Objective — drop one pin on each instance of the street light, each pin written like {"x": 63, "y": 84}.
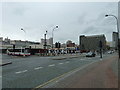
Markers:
{"x": 117, "y": 31}
{"x": 52, "y": 33}
{"x": 25, "y": 35}
{"x": 24, "y": 32}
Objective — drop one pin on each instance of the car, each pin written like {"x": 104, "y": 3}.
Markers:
{"x": 90, "y": 54}
{"x": 109, "y": 52}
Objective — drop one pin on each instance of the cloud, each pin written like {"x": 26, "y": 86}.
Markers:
{"x": 82, "y": 18}
{"x": 73, "y": 19}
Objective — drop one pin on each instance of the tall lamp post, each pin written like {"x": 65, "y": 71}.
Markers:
{"x": 25, "y": 35}
{"x": 52, "y": 34}
{"x": 24, "y": 32}
{"x": 117, "y": 31}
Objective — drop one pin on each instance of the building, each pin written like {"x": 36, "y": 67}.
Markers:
{"x": 7, "y": 43}
{"x": 110, "y": 44}
{"x": 70, "y": 45}
{"x": 1, "y": 41}
{"x": 19, "y": 44}
{"x": 92, "y": 42}
{"x": 48, "y": 41}
{"x": 68, "y": 42}
{"x": 63, "y": 45}
{"x": 115, "y": 39}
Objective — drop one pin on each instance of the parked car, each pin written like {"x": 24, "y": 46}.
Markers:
{"x": 90, "y": 54}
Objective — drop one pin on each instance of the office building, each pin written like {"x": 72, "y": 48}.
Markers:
{"x": 92, "y": 42}
{"x": 115, "y": 39}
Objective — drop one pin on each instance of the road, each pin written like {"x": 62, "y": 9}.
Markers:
{"x": 103, "y": 74}
{"x": 36, "y": 72}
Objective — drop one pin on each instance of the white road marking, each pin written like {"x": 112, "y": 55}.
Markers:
{"x": 21, "y": 71}
{"x": 0, "y": 76}
{"x": 57, "y": 79}
{"x": 38, "y": 68}
{"x": 24, "y": 71}
{"x": 18, "y": 72}
{"x": 60, "y": 63}
{"x": 51, "y": 65}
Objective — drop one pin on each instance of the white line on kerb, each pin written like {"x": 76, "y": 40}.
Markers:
{"x": 38, "y": 68}
{"x": 51, "y": 65}
{"x": 60, "y": 63}
{"x": 21, "y": 71}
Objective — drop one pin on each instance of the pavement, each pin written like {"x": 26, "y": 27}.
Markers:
{"x": 36, "y": 71}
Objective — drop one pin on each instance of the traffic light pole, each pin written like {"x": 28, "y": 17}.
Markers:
{"x": 45, "y": 43}
{"x": 100, "y": 45}
{"x": 100, "y": 53}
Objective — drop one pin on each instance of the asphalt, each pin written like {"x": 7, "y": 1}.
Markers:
{"x": 101, "y": 74}
{"x": 33, "y": 71}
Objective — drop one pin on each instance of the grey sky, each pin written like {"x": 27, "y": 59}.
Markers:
{"x": 73, "y": 19}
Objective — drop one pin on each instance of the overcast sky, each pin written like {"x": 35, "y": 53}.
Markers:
{"x": 73, "y": 18}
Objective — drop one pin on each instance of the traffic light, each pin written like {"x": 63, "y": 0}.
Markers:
{"x": 57, "y": 45}
{"x": 13, "y": 47}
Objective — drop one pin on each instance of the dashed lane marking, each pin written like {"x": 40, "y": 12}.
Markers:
{"x": 51, "y": 65}
{"x": 57, "y": 78}
{"x": 38, "y": 68}
{"x": 24, "y": 71}
{"x": 18, "y": 72}
{"x": 21, "y": 71}
{"x": 60, "y": 63}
